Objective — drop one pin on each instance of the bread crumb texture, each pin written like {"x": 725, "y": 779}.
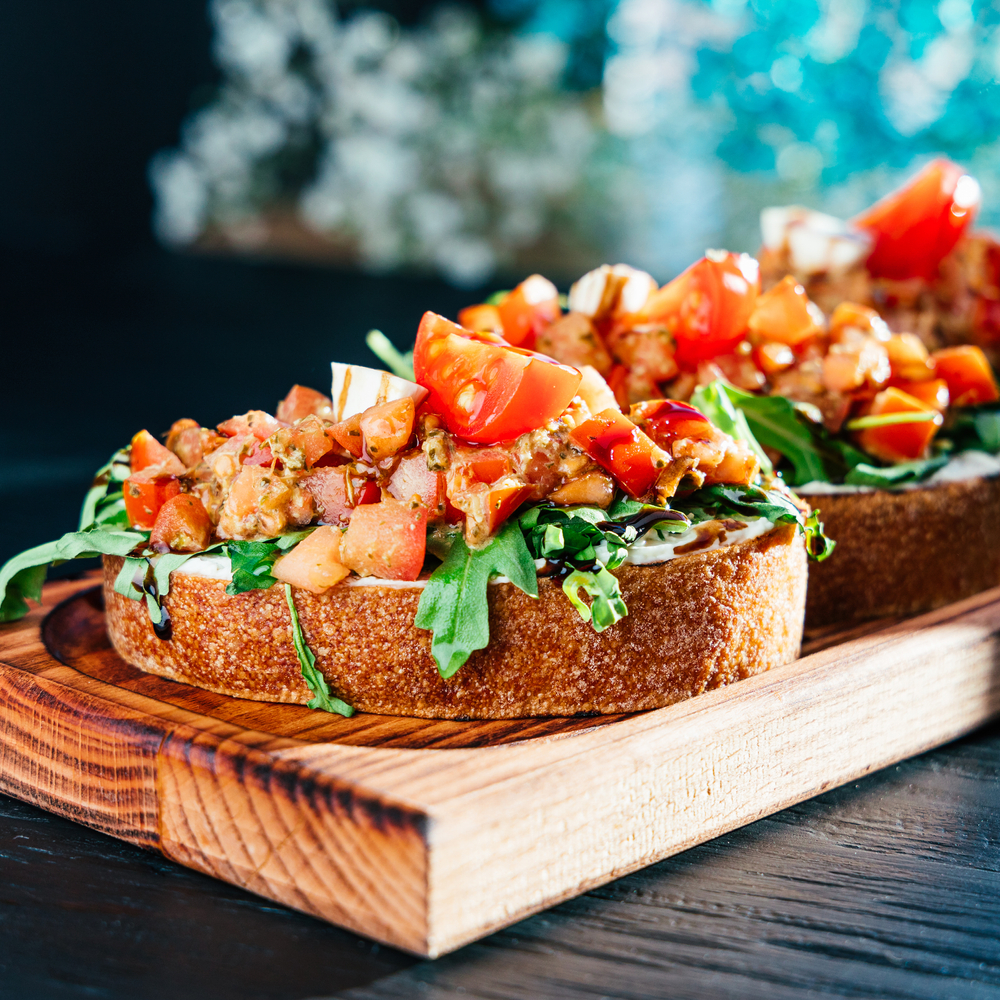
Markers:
{"x": 907, "y": 552}
{"x": 694, "y": 623}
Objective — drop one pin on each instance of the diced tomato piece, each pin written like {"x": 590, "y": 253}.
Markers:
{"x": 412, "y": 478}
{"x": 243, "y": 495}
{"x": 484, "y": 389}
{"x": 665, "y": 420}
{"x": 387, "y": 427}
{"x": 481, "y": 318}
{"x": 773, "y": 357}
{"x": 528, "y": 309}
{"x": 706, "y": 307}
{"x": 899, "y": 442}
{"x": 968, "y": 374}
{"x": 785, "y": 314}
{"x": 595, "y": 392}
{"x": 574, "y": 340}
{"x": 859, "y": 317}
{"x": 302, "y": 401}
{"x": 259, "y": 454}
{"x": 616, "y": 444}
{"x": 145, "y": 493}
{"x": 933, "y": 392}
{"x": 147, "y": 451}
{"x": 302, "y": 445}
{"x": 314, "y": 564}
{"x": 182, "y": 525}
{"x": 387, "y": 540}
{"x": 256, "y": 422}
{"x": 231, "y": 454}
{"x": 337, "y": 492}
{"x": 348, "y": 435}
{"x": 486, "y": 464}
{"x": 917, "y": 225}
{"x": 908, "y": 358}
{"x": 187, "y": 440}
{"x": 504, "y": 499}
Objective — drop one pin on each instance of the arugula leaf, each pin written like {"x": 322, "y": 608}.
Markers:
{"x": 716, "y": 401}
{"x": 104, "y": 503}
{"x": 22, "y": 577}
{"x": 864, "y": 474}
{"x": 454, "y": 606}
{"x": 125, "y": 581}
{"x": 752, "y": 501}
{"x": 250, "y": 563}
{"x": 314, "y": 678}
{"x": 975, "y": 427}
{"x": 607, "y": 605}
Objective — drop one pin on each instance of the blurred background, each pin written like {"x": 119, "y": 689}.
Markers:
{"x": 204, "y": 202}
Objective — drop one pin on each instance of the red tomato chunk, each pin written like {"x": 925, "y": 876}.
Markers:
{"x": 387, "y": 540}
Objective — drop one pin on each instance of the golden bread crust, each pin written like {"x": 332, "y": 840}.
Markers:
{"x": 901, "y": 553}
{"x": 696, "y": 622}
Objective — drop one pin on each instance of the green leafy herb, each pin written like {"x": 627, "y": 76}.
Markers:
{"x": 975, "y": 428}
{"x": 104, "y": 503}
{"x": 752, "y": 501}
{"x": 606, "y": 606}
{"x": 495, "y": 298}
{"x": 453, "y": 605}
{"x": 790, "y": 428}
{"x": 715, "y": 402}
{"x": 251, "y": 562}
{"x": 22, "y": 577}
{"x": 385, "y": 350}
{"x": 314, "y": 678}
{"x": 893, "y": 475}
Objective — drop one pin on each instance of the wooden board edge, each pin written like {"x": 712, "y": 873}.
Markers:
{"x": 746, "y": 756}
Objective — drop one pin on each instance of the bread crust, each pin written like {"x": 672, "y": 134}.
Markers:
{"x": 901, "y": 553}
{"x": 695, "y": 622}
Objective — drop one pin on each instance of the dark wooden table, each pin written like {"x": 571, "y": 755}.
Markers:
{"x": 886, "y": 888}
{"x": 889, "y": 887}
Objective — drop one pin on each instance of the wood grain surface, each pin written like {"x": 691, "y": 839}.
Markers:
{"x": 429, "y": 848}
{"x": 887, "y": 887}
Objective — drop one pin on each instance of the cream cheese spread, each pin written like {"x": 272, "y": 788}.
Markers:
{"x": 653, "y": 547}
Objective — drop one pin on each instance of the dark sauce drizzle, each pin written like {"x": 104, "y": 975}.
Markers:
{"x": 163, "y": 628}
{"x": 643, "y": 522}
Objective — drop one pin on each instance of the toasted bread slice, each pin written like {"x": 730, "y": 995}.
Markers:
{"x": 900, "y": 553}
{"x": 696, "y": 622}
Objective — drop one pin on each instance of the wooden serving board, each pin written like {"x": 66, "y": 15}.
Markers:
{"x": 429, "y": 834}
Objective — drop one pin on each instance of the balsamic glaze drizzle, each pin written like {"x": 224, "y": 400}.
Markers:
{"x": 163, "y": 628}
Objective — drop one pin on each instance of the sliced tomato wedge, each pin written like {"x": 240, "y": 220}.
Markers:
{"x": 528, "y": 310}
{"x": 968, "y": 374}
{"x": 706, "y": 308}
{"x": 486, "y": 390}
{"x": 147, "y": 451}
{"x": 616, "y": 444}
{"x": 916, "y": 226}
{"x": 145, "y": 493}
{"x": 256, "y": 422}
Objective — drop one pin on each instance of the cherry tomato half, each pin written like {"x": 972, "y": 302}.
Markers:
{"x": 706, "y": 307}
{"x": 916, "y": 226}
{"x": 486, "y": 390}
